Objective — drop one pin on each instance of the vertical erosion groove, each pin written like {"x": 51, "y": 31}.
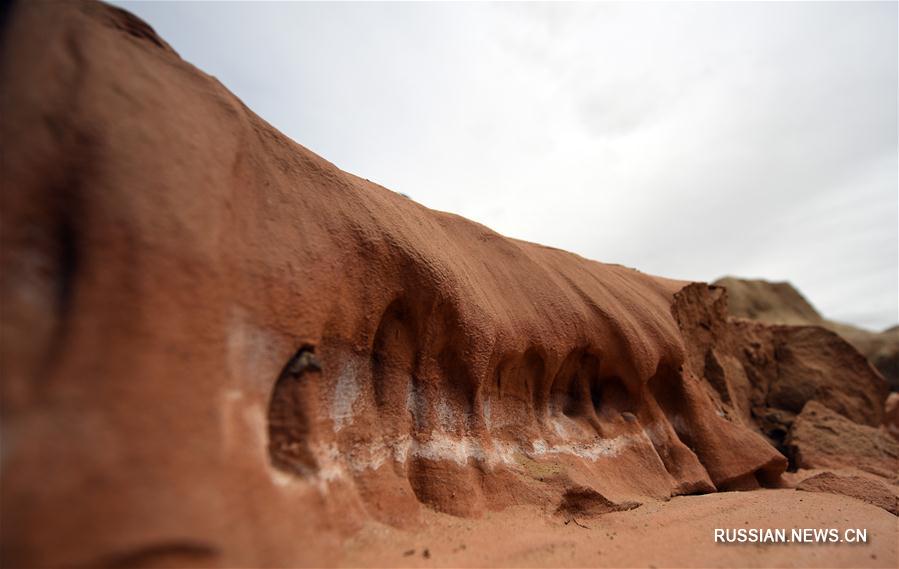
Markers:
{"x": 290, "y": 413}
{"x": 515, "y": 395}
{"x": 667, "y": 388}
{"x": 611, "y": 397}
{"x": 392, "y": 363}
{"x": 570, "y": 393}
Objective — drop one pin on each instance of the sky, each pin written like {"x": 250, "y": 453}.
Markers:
{"x": 689, "y": 140}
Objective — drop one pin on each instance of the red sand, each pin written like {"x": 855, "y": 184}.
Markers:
{"x": 678, "y": 533}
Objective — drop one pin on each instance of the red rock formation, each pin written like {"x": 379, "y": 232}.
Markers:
{"x": 781, "y": 303}
{"x": 891, "y": 415}
{"x": 765, "y": 375}
{"x": 821, "y": 438}
{"x": 217, "y": 347}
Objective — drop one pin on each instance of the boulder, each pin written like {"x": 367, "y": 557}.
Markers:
{"x": 822, "y": 438}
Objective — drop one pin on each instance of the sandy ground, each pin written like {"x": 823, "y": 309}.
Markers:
{"x": 678, "y": 533}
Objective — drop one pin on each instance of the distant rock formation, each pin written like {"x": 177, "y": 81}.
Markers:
{"x": 781, "y": 303}
{"x": 218, "y": 348}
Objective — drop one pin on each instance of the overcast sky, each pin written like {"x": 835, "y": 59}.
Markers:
{"x": 686, "y": 140}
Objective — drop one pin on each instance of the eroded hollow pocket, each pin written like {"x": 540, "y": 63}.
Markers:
{"x": 610, "y": 397}
{"x": 289, "y": 413}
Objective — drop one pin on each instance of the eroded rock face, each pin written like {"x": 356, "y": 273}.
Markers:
{"x": 821, "y": 438}
{"x": 781, "y": 303}
{"x": 217, "y": 347}
{"x": 891, "y": 415}
{"x": 764, "y": 375}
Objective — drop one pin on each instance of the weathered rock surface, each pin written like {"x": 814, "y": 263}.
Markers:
{"x": 781, "y": 303}
{"x": 771, "y": 302}
{"x": 764, "y": 375}
{"x": 868, "y": 490}
{"x": 218, "y": 348}
{"x": 891, "y": 415}
{"x": 822, "y": 438}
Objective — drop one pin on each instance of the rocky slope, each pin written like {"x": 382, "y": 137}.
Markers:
{"x": 781, "y": 303}
{"x": 218, "y": 348}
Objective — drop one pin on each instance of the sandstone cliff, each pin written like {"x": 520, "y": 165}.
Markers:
{"x": 217, "y": 347}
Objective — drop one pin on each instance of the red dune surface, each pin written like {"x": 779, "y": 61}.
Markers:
{"x": 218, "y": 349}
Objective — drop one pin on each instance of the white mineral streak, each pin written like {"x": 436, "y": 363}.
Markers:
{"x": 657, "y": 433}
{"x": 346, "y": 390}
{"x": 446, "y": 415}
{"x": 410, "y": 396}
{"x": 334, "y": 465}
{"x": 593, "y": 451}
{"x": 681, "y": 427}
